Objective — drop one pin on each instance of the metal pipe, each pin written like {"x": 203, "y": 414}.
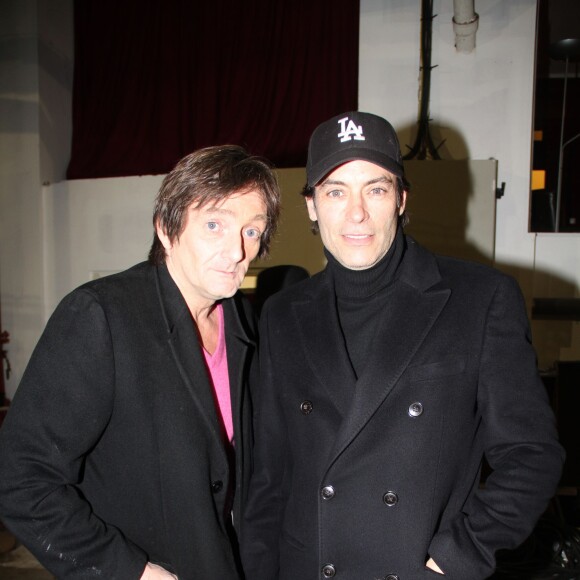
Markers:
{"x": 465, "y": 24}
{"x": 561, "y": 153}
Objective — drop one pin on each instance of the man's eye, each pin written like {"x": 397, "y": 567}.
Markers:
{"x": 334, "y": 193}
{"x": 378, "y": 190}
{"x": 212, "y": 226}
{"x": 253, "y": 233}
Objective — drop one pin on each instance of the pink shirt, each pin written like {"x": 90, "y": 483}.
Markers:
{"x": 217, "y": 364}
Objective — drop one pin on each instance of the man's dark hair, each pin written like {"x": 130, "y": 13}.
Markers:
{"x": 401, "y": 185}
{"x": 208, "y": 176}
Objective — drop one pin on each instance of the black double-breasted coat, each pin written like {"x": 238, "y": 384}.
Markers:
{"x": 112, "y": 454}
{"x": 366, "y": 479}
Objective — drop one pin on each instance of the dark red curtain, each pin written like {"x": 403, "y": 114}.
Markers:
{"x": 156, "y": 79}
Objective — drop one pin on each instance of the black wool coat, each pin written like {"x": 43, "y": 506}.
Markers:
{"x": 112, "y": 453}
{"x": 366, "y": 479}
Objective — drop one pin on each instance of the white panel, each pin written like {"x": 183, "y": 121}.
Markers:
{"x": 97, "y": 225}
{"x": 556, "y": 275}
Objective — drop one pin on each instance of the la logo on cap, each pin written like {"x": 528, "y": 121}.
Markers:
{"x": 350, "y": 131}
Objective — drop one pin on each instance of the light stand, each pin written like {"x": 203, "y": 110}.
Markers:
{"x": 567, "y": 49}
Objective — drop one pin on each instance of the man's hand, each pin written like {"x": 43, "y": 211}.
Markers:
{"x": 431, "y": 564}
{"x": 155, "y": 572}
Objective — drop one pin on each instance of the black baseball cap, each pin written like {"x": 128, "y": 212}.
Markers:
{"x": 351, "y": 136}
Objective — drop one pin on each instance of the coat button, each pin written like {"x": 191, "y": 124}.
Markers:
{"x": 327, "y": 492}
{"x": 306, "y": 407}
{"x": 391, "y": 577}
{"x": 217, "y": 486}
{"x": 390, "y": 498}
{"x": 415, "y": 409}
{"x": 329, "y": 571}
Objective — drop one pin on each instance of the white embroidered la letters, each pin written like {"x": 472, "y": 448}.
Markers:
{"x": 350, "y": 131}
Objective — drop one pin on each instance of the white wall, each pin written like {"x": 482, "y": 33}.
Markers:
{"x": 36, "y": 55}
{"x": 94, "y": 227}
{"x": 481, "y": 103}
{"x": 21, "y": 284}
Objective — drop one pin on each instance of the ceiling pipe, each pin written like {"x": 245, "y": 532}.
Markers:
{"x": 465, "y": 23}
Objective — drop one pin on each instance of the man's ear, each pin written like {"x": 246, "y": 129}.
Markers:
{"x": 311, "y": 206}
{"x": 163, "y": 237}
{"x": 403, "y": 202}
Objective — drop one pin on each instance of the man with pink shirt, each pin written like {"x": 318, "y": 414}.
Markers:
{"x": 125, "y": 454}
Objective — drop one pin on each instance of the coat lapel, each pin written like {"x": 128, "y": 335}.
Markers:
{"x": 324, "y": 347}
{"x": 240, "y": 347}
{"x": 186, "y": 349}
{"x": 415, "y": 305}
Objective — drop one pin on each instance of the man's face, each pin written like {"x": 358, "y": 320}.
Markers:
{"x": 357, "y": 213}
{"x": 211, "y": 256}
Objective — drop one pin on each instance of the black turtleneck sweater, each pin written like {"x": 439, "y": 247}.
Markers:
{"x": 361, "y": 297}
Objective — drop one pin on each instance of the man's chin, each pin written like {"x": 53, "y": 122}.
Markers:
{"x": 360, "y": 267}
{"x": 358, "y": 263}
{"x": 227, "y": 293}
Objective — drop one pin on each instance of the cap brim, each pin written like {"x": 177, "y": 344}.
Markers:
{"x": 317, "y": 172}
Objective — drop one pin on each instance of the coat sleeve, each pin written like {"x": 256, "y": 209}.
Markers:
{"x": 520, "y": 444}
{"x": 60, "y": 411}
{"x": 266, "y": 501}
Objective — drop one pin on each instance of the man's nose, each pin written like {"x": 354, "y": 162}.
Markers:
{"x": 356, "y": 210}
{"x": 234, "y": 247}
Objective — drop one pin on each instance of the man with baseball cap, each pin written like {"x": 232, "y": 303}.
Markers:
{"x": 386, "y": 380}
